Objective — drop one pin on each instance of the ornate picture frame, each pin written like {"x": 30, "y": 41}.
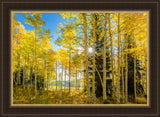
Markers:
{"x": 8, "y": 6}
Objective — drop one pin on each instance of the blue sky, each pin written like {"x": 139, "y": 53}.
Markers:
{"x": 52, "y": 20}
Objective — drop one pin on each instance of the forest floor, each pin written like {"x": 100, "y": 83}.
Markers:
{"x": 27, "y": 96}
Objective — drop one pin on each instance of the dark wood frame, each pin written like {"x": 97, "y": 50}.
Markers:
{"x": 8, "y": 5}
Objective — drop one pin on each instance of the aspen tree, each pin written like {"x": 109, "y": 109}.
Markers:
{"x": 110, "y": 36}
{"x": 118, "y": 83}
{"x": 94, "y": 39}
{"x": 86, "y": 53}
{"x": 104, "y": 59}
{"x": 126, "y": 76}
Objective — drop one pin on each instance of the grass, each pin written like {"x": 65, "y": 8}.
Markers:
{"x": 26, "y": 95}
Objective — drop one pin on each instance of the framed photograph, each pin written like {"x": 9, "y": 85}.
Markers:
{"x": 79, "y": 58}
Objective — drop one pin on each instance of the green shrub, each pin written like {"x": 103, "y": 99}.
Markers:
{"x": 106, "y": 102}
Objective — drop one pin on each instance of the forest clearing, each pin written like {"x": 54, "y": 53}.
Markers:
{"x": 80, "y": 58}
